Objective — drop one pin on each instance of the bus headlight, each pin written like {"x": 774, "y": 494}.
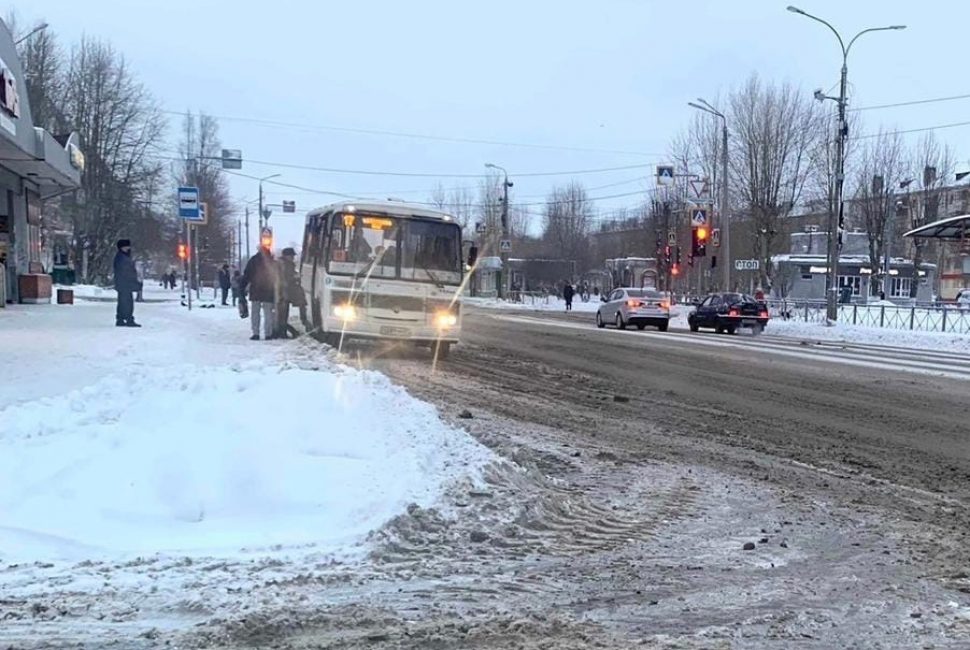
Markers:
{"x": 345, "y": 312}
{"x": 444, "y": 320}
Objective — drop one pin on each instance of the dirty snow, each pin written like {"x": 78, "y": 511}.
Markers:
{"x": 185, "y": 437}
{"x": 871, "y": 335}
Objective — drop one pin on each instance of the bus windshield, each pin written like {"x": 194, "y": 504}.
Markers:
{"x": 395, "y": 247}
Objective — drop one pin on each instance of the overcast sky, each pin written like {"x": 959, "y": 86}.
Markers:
{"x": 612, "y": 75}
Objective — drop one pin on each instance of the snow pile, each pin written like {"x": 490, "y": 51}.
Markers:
{"x": 871, "y": 335}
{"x": 553, "y": 303}
{"x": 218, "y": 459}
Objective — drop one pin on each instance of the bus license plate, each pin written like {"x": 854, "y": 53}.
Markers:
{"x": 395, "y": 331}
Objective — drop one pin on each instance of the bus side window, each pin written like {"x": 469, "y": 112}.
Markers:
{"x": 337, "y": 247}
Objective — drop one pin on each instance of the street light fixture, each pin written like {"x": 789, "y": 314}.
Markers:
{"x": 506, "y": 184}
{"x": 836, "y": 228}
{"x": 41, "y": 27}
{"x": 725, "y": 221}
{"x": 263, "y": 217}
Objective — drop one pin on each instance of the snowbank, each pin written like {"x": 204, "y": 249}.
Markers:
{"x": 539, "y": 304}
{"x": 186, "y": 437}
{"x": 871, "y": 335}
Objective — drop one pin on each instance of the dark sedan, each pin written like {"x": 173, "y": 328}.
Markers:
{"x": 727, "y": 312}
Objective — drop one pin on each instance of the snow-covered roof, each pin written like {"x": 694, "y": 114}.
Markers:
{"x": 949, "y": 228}
{"x": 391, "y": 207}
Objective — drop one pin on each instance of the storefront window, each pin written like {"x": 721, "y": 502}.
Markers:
{"x": 853, "y": 281}
{"x": 900, "y": 287}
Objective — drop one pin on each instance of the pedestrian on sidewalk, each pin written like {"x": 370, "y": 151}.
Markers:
{"x": 126, "y": 284}
{"x": 567, "y": 293}
{"x": 260, "y": 279}
{"x": 236, "y": 285}
{"x": 291, "y": 293}
{"x": 225, "y": 283}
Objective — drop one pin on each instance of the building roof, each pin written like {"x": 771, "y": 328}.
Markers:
{"x": 957, "y": 227}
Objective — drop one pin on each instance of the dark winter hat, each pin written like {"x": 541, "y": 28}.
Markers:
{"x": 122, "y": 243}
{"x": 289, "y": 252}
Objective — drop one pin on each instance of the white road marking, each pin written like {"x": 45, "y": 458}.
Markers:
{"x": 954, "y": 368}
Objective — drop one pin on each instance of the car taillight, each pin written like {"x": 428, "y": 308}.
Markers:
{"x": 763, "y": 314}
{"x": 664, "y": 305}
{"x": 733, "y": 312}
{"x": 634, "y": 303}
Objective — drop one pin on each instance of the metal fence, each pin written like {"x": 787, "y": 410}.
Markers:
{"x": 920, "y": 318}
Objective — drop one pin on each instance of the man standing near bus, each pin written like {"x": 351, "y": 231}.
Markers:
{"x": 261, "y": 278}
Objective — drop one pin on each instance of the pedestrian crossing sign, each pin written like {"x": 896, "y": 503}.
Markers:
{"x": 698, "y": 217}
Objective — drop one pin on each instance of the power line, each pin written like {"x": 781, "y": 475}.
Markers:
{"x": 905, "y": 131}
{"x": 911, "y": 103}
{"x": 417, "y": 136}
{"x": 368, "y": 172}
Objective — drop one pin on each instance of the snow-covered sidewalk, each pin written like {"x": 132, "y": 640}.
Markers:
{"x": 185, "y": 438}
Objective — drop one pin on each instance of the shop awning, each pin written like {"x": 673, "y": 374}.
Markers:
{"x": 949, "y": 228}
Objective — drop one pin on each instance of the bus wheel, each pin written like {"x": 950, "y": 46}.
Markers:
{"x": 441, "y": 349}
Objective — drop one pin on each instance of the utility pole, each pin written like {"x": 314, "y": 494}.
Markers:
{"x": 247, "y": 234}
{"x": 239, "y": 239}
{"x": 506, "y": 273}
{"x": 837, "y": 225}
{"x": 263, "y": 219}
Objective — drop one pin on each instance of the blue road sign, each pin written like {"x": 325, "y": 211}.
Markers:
{"x": 189, "y": 203}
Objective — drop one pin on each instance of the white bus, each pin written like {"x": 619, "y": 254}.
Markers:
{"x": 383, "y": 271}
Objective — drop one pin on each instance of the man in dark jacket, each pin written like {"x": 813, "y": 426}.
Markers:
{"x": 291, "y": 293}
{"x": 126, "y": 284}
{"x": 225, "y": 282}
{"x": 261, "y": 278}
{"x": 567, "y": 293}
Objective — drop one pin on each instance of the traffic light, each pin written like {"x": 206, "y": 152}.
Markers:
{"x": 675, "y": 270}
{"x": 667, "y": 255}
{"x": 699, "y": 236}
{"x": 183, "y": 252}
{"x": 678, "y": 256}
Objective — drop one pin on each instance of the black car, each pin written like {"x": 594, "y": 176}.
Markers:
{"x": 726, "y": 312}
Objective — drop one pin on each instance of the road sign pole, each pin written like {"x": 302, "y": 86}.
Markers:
{"x": 186, "y": 282}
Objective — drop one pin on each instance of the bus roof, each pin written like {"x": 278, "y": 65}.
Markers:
{"x": 390, "y": 207}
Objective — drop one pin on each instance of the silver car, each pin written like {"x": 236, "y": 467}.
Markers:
{"x": 637, "y": 307}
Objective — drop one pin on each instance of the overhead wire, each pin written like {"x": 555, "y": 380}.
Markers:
{"x": 418, "y": 136}
{"x": 916, "y": 102}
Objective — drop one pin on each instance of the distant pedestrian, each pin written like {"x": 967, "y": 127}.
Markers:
{"x": 260, "y": 279}
{"x": 291, "y": 293}
{"x": 567, "y": 293}
{"x": 225, "y": 283}
{"x": 126, "y": 284}
{"x": 236, "y": 285}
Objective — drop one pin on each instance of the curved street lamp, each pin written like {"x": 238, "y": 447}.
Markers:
{"x": 835, "y": 229}
{"x": 41, "y": 27}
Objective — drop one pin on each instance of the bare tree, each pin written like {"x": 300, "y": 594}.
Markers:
{"x": 881, "y": 168}
{"x": 933, "y": 164}
{"x": 43, "y": 64}
{"x": 121, "y": 130}
{"x": 567, "y": 223}
{"x": 775, "y": 130}
{"x": 199, "y": 149}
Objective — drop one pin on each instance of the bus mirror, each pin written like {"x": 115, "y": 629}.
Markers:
{"x": 472, "y": 256}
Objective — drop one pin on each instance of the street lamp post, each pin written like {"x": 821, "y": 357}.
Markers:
{"x": 505, "y": 273}
{"x": 263, "y": 219}
{"x": 836, "y": 228}
{"x": 725, "y": 222}
{"x": 41, "y": 27}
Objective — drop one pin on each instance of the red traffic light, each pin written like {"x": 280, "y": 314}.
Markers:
{"x": 183, "y": 252}
{"x": 675, "y": 270}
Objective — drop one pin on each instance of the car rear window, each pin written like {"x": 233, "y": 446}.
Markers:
{"x": 641, "y": 293}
